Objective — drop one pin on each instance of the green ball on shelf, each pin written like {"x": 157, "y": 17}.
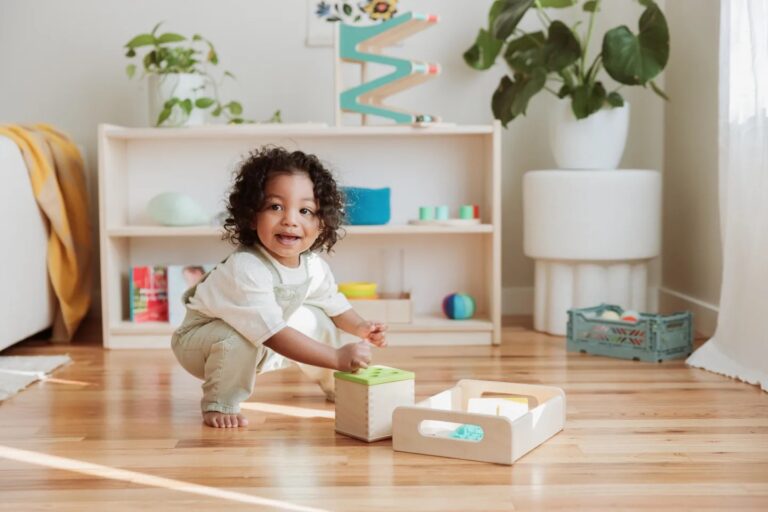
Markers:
{"x": 175, "y": 209}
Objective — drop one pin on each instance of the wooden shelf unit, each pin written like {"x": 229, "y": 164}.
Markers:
{"x": 442, "y": 164}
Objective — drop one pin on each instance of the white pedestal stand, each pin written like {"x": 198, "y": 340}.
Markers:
{"x": 592, "y": 234}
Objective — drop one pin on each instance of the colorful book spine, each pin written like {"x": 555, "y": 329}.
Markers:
{"x": 148, "y": 294}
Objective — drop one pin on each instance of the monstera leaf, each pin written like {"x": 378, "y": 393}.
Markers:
{"x": 635, "y": 60}
{"x": 511, "y": 97}
{"x": 507, "y": 16}
{"x": 502, "y": 21}
{"x": 483, "y": 53}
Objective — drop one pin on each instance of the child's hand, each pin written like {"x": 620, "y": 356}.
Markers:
{"x": 353, "y": 356}
{"x": 372, "y": 332}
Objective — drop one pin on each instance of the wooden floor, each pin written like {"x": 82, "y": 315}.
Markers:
{"x": 121, "y": 430}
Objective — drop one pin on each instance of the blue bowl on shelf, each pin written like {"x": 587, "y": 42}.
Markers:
{"x": 366, "y": 206}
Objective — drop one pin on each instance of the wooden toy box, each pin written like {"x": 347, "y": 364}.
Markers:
{"x": 430, "y": 427}
{"x": 365, "y": 401}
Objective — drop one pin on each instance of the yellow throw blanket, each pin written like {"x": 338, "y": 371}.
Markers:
{"x": 58, "y": 182}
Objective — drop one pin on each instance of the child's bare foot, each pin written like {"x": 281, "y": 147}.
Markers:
{"x": 220, "y": 420}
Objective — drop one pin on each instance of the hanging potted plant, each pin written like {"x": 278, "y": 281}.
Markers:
{"x": 589, "y": 126}
{"x": 181, "y": 89}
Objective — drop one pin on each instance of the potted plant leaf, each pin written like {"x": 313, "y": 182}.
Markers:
{"x": 589, "y": 127}
{"x": 181, "y": 88}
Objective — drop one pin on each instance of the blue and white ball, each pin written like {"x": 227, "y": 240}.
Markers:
{"x": 459, "y": 306}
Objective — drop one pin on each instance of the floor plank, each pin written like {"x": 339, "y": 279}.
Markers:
{"x": 121, "y": 430}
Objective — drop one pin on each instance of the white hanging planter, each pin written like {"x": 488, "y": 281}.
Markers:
{"x": 595, "y": 142}
{"x": 180, "y": 85}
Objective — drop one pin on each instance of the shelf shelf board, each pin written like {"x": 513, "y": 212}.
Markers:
{"x": 213, "y": 131}
{"x": 431, "y": 323}
{"x": 214, "y": 231}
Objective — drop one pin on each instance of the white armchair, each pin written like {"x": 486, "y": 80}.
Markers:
{"x": 26, "y": 301}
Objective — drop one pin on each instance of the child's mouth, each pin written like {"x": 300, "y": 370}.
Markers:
{"x": 289, "y": 240}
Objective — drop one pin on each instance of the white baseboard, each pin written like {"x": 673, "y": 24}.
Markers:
{"x": 517, "y": 300}
{"x": 704, "y": 314}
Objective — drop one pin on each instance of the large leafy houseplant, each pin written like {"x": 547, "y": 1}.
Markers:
{"x": 555, "y": 59}
{"x": 173, "y": 54}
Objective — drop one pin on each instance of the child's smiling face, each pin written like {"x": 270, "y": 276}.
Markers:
{"x": 288, "y": 224}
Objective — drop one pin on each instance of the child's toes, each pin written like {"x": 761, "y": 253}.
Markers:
{"x": 211, "y": 418}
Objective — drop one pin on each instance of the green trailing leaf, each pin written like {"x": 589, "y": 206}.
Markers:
{"x": 149, "y": 60}
{"x": 634, "y": 60}
{"x": 170, "y": 38}
{"x": 483, "y": 53}
{"x": 615, "y": 99}
{"x": 212, "y": 56}
{"x": 204, "y": 102}
{"x": 556, "y": 4}
{"x": 141, "y": 40}
{"x": 587, "y": 100}
{"x": 507, "y": 16}
{"x": 511, "y": 97}
{"x": 164, "y": 114}
{"x": 235, "y": 108}
{"x": 347, "y": 9}
{"x": 277, "y": 117}
{"x": 525, "y": 52}
{"x": 562, "y": 49}
{"x": 564, "y": 91}
{"x": 172, "y": 53}
{"x": 590, "y": 6}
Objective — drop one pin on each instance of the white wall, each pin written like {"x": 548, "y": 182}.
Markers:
{"x": 62, "y": 62}
{"x": 692, "y": 250}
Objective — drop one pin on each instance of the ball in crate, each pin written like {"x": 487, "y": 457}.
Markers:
{"x": 459, "y": 306}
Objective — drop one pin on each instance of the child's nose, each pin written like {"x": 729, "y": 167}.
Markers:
{"x": 290, "y": 217}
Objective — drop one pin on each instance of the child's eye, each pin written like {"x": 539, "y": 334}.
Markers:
{"x": 275, "y": 207}
{"x": 306, "y": 211}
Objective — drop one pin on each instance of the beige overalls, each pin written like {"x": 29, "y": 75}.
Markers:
{"x": 212, "y": 350}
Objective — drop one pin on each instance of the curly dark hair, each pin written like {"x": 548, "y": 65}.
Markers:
{"x": 246, "y": 198}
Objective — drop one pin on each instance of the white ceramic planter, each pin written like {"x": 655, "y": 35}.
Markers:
{"x": 179, "y": 85}
{"x": 596, "y": 142}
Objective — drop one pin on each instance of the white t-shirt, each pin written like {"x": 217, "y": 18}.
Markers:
{"x": 241, "y": 292}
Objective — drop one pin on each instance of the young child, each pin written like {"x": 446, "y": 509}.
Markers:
{"x": 273, "y": 301}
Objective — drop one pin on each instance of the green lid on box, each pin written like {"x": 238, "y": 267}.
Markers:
{"x": 374, "y": 375}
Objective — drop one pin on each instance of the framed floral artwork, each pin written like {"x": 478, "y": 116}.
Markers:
{"x": 322, "y": 14}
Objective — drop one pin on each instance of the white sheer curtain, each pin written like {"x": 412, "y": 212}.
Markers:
{"x": 739, "y": 347}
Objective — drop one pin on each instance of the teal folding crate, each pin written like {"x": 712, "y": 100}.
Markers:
{"x": 652, "y": 338}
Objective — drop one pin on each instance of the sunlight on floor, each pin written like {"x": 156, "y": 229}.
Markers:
{"x": 65, "y": 381}
{"x": 287, "y": 410}
{"x": 97, "y": 470}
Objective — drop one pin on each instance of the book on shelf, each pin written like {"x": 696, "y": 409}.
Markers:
{"x": 148, "y": 294}
{"x": 180, "y": 279}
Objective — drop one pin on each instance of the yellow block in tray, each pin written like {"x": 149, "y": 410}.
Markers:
{"x": 358, "y": 290}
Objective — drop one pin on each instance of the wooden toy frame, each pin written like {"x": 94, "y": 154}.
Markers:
{"x": 504, "y": 440}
